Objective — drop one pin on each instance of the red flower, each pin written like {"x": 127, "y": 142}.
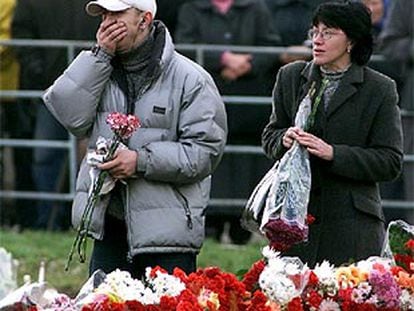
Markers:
{"x": 410, "y": 245}
{"x": 295, "y": 304}
{"x": 283, "y": 235}
{"x": 404, "y": 261}
{"x": 258, "y": 302}
{"x": 395, "y": 270}
{"x": 134, "y": 305}
{"x": 178, "y": 273}
{"x": 313, "y": 279}
{"x": 153, "y": 273}
{"x": 364, "y": 307}
{"x": 313, "y": 299}
{"x": 187, "y": 306}
{"x": 168, "y": 303}
{"x": 310, "y": 219}
{"x": 344, "y": 296}
{"x": 251, "y": 278}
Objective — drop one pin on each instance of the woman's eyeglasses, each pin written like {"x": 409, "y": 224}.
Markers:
{"x": 325, "y": 34}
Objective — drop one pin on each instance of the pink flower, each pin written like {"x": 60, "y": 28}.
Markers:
{"x": 123, "y": 125}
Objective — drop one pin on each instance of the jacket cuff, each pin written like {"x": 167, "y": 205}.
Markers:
{"x": 102, "y": 54}
{"x": 142, "y": 160}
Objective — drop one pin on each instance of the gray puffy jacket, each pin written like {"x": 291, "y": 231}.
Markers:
{"x": 180, "y": 143}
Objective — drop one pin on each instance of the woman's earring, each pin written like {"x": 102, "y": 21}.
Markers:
{"x": 348, "y": 49}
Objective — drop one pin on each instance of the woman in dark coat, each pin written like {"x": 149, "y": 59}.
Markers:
{"x": 356, "y": 139}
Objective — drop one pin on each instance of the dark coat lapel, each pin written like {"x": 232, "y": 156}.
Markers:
{"x": 345, "y": 89}
{"x": 309, "y": 74}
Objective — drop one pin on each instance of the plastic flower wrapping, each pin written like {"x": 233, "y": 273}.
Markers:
{"x": 279, "y": 203}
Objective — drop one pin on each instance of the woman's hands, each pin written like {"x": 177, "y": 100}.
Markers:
{"x": 313, "y": 144}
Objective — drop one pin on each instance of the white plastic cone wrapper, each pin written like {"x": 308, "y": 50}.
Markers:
{"x": 284, "y": 190}
{"x": 289, "y": 194}
{"x": 97, "y": 156}
{"x": 398, "y": 234}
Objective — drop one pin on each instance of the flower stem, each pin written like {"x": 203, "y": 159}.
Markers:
{"x": 80, "y": 241}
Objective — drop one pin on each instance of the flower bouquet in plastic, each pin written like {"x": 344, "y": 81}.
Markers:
{"x": 399, "y": 245}
{"x": 285, "y": 219}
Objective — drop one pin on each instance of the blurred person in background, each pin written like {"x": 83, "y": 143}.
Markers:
{"x": 393, "y": 190}
{"x": 354, "y": 143}
{"x": 167, "y": 12}
{"x": 233, "y": 23}
{"x": 293, "y": 30}
{"x": 40, "y": 66}
{"x": 16, "y": 123}
{"x": 378, "y": 9}
{"x": 397, "y": 44}
{"x": 230, "y": 22}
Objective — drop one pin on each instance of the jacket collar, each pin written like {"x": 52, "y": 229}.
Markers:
{"x": 347, "y": 87}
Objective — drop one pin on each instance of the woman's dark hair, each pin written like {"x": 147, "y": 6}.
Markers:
{"x": 354, "y": 19}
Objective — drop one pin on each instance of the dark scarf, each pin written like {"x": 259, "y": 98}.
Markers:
{"x": 136, "y": 67}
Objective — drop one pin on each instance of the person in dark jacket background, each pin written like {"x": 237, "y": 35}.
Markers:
{"x": 47, "y": 19}
{"x": 238, "y": 22}
{"x": 356, "y": 140}
{"x": 397, "y": 44}
{"x": 233, "y": 23}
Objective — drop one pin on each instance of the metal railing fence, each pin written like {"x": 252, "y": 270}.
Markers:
{"x": 199, "y": 49}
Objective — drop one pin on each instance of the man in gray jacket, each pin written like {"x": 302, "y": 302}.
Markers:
{"x": 156, "y": 216}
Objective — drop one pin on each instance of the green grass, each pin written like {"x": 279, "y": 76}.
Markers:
{"x": 31, "y": 247}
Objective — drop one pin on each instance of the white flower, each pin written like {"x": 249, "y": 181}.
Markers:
{"x": 292, "y": 269}
{"x": 329, "y": 305}
{"x": 358, "y": 296}
{"x": 324, "y": 271}
{"x": 407, "y": 300}
{"x": 365, "y": 288}
{"x": 326, "y": 276}
{"x": 268, "y": 253}
{"x": 277, "y": 286}
{"x": 121, "y": 285}
{"x": 166, "y": 285}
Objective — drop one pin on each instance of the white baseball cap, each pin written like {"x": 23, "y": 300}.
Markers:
{"x": 96, "y": 8}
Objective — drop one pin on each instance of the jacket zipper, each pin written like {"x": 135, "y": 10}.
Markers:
{"x": 128, "y": 221}
{"x": 186, "y": 209}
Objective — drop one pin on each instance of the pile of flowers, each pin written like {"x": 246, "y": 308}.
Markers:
{"x": 274, "y": 283}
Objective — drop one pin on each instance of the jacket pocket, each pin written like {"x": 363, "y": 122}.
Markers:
{"x": 368, "y": 204}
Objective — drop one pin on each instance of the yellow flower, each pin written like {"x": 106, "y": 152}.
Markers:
{"x": 206, "y": 296}
{"x": 350, "y": 276}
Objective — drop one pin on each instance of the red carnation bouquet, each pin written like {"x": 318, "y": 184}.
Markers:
{"x": 122, "y": 126}
{"x": 285, "y": 219}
